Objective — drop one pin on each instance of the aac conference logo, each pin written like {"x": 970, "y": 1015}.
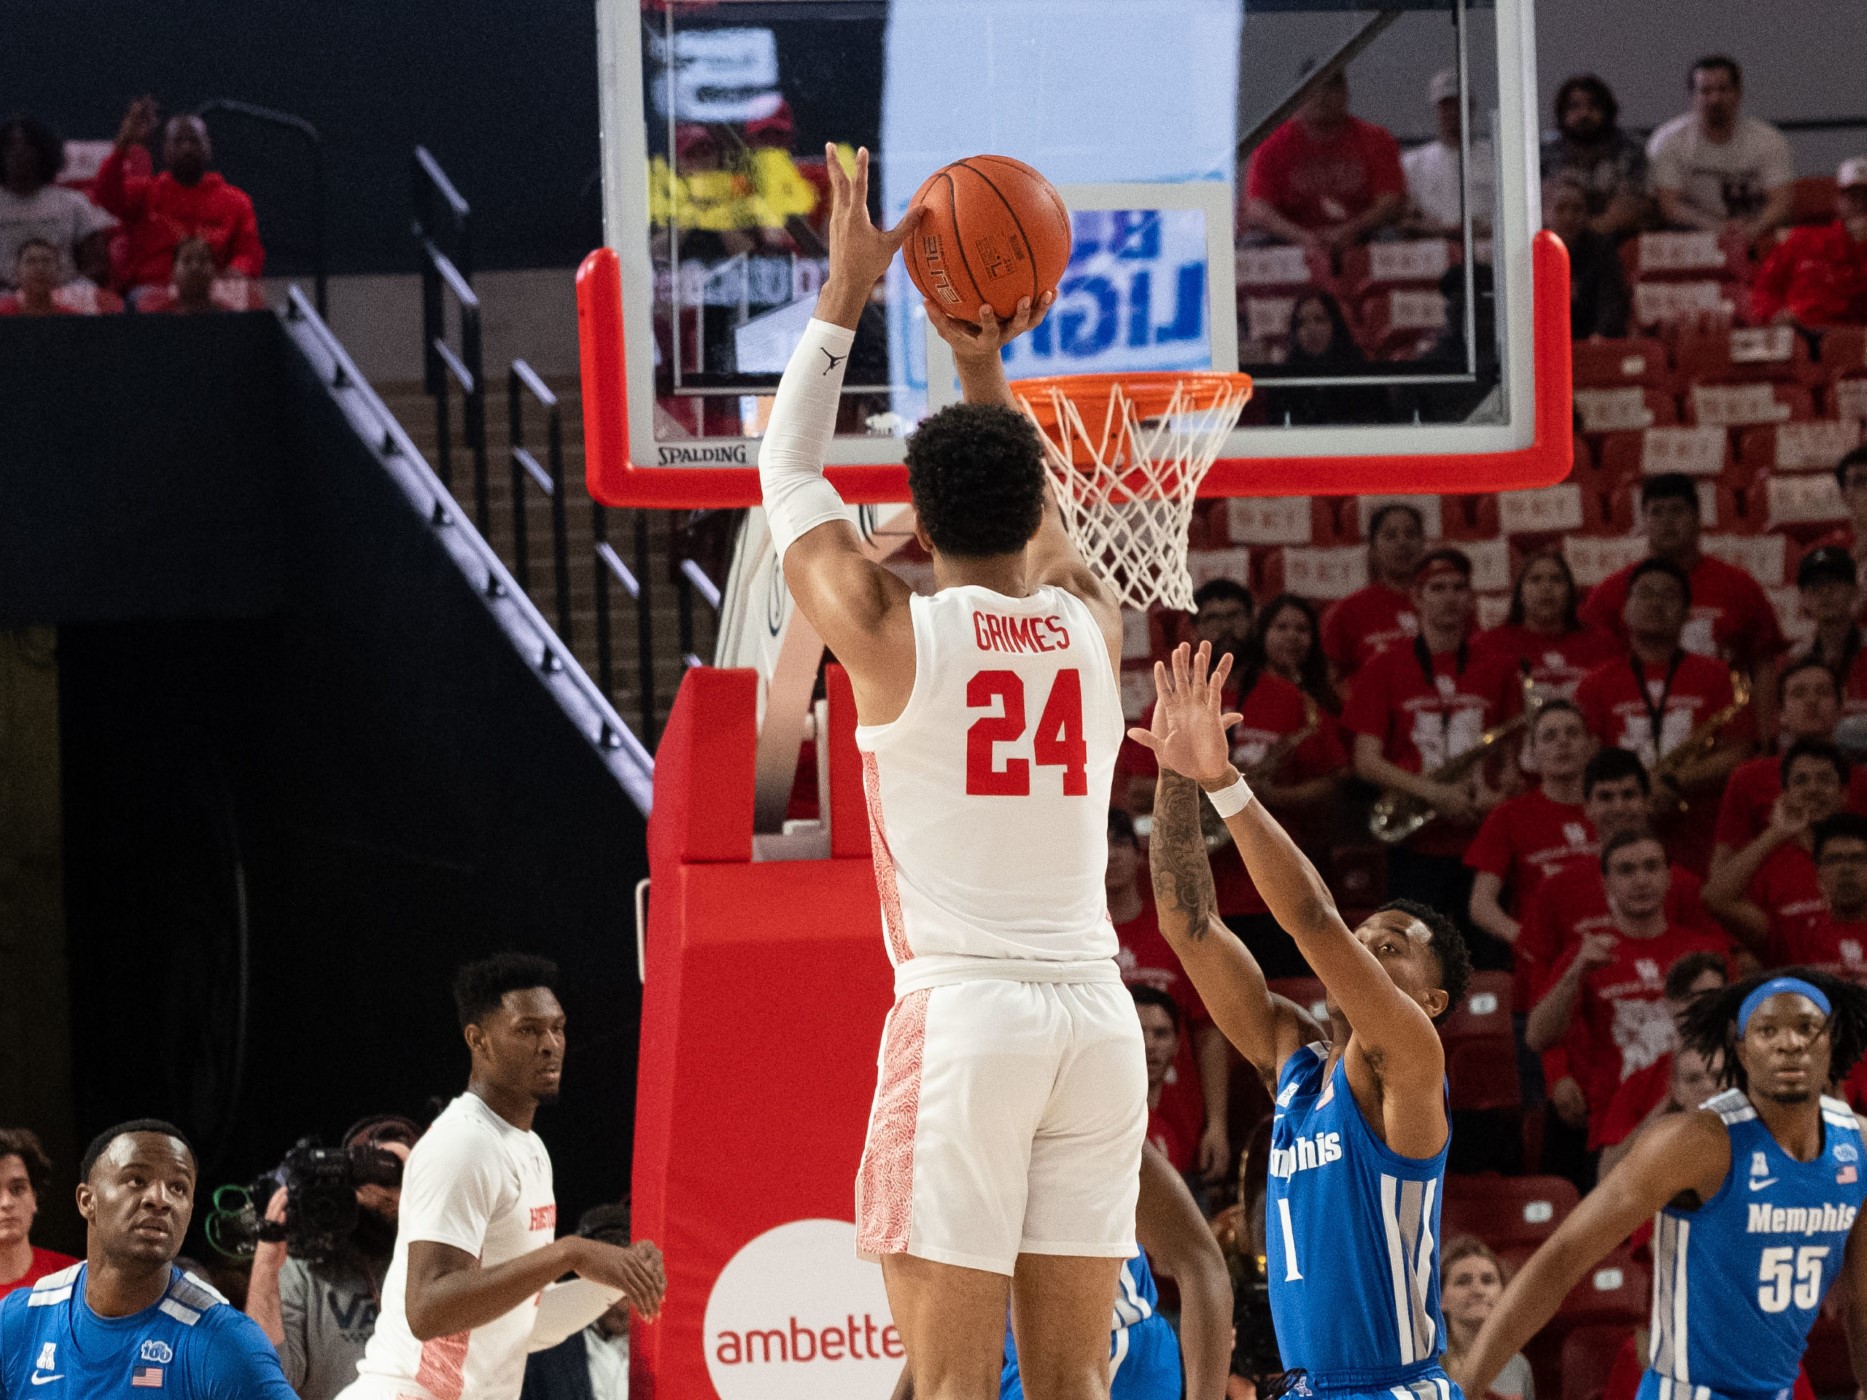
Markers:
{"x": 796, "y": 1315}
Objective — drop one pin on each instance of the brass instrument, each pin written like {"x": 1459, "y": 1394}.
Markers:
{"x": 1701, "y": 740}
{"x": 1268, "y": 765}
{"x": 1397, "y": 815}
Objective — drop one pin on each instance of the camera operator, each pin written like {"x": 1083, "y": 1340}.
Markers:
{"x": 475, "y": 1241}
{"x": 320, "y": 1311}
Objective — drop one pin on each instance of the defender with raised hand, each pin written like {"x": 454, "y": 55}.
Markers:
{"x": 1358, "y": 1144}
{"x": 1754, "y": 1197}
{"x": 1004, "y": 1143}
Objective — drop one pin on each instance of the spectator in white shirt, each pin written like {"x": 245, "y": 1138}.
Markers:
{"x": 1714, "y": 168}
{"x": 32, "y": 206}
{"x": 1434, "y": 189}
{"x": 474, "y": 1245}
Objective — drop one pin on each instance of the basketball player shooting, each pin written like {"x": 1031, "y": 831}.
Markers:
{"x": 1754, "y": 1196}
{"x": 1359, "y": 1140}
{"x": 1004, "y": 1144}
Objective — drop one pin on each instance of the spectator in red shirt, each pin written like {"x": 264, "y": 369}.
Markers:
{"x": 1659, "y": 695}
{"x": 1817, "y": 276}
{"x": 1286, "y": 641}
{"x": 1827, "y": 582}
{"x": 1198, "y": 1086}
{"x": 1681, "y": 1079}
{"x": 1536, "y": 834}
{"x": 35, "y": 279}
{"x": 1810, "y": 709}
{"x": 1324, "y": 178}
{"x": 1730, "y": 615}
{"x": 1381, "y": 613}
{"x": 1174, "y": 1134}
{"x": 1613, "y": 984}
{"x": 188, "y": 197}
{"x": 1413, "y": 709}
{"x": 1543, "y": 631}
{"x": 25, "y": 1173}
{"x": 1835, "y": 940}
{"x": 1767, "y": 891}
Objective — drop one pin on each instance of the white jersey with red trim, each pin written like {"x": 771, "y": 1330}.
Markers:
{"x": 988, "y": 795}
{"x": 477, "y": 1184}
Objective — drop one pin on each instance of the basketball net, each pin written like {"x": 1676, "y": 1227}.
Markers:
{"x": 1125, "y": 455}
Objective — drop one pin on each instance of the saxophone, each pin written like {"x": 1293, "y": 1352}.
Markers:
{"x": 1268, "y": 765}
{"x": 1701, "y": 740}
{"x": 1397, "y": 815}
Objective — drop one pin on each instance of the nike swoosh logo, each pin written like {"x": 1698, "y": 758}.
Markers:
{"x": 38, "y": 1379}
{"x": 1759, "y": 1185}
{"x": 834, "y": 360}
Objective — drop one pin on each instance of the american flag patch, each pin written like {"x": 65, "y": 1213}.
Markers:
{"x": 1847, "y": 1176}
{"x": 147, "y": 1377}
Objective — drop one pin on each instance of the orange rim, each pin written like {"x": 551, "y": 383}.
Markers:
{"x": 1150, "y": 392}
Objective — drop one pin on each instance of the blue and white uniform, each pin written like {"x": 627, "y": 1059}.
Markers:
{"x": 191, "y": 1345}
{"x": 1351, "y": 1244}
{"x": 1738, "y": 1282}
{"x": 1144, "y": 1353}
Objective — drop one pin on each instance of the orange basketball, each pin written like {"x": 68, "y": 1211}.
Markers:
{"x": 992, "y": 232}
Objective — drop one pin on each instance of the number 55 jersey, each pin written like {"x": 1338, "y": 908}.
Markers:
{"x": 1738, "y": 1282}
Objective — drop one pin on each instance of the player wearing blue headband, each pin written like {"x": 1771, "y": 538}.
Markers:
{"x": 1754, "y": 1199}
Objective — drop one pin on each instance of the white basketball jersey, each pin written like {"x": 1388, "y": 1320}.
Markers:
{"x": 989, "y": 794}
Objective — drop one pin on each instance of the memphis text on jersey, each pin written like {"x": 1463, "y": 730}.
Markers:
{"x": 1798, "y": 1220}
{"x": 1305, "y": 1153}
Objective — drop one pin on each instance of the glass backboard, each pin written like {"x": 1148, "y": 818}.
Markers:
{"x": 1337, "y": 198}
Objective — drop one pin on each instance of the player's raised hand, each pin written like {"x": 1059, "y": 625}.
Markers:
{"x": 859, "y": 251}
{"x": 985, "y": 339}
{"x": 1190, "y": 723}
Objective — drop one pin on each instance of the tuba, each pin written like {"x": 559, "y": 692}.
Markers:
{"x": 1268, "y": 765}
{"x": 1397, "y": 815}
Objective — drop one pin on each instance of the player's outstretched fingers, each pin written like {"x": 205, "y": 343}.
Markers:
{"x": 1228, "y": 719}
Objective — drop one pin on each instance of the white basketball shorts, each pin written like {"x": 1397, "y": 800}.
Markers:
{"x": 1008, "y": 1119}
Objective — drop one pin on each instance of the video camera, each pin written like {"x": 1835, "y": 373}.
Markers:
{"x": 321, "y": 1210}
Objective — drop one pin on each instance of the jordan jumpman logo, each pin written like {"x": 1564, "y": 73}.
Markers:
{"x": 834, "y": 360}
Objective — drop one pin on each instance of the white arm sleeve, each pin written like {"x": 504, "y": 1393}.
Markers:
{"x": 790, "y": 459}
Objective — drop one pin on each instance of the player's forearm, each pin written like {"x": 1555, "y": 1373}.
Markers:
{"x": 1530, "y": 1300}
{"x": 1215, "y": 1072}
{"x": 1185, "y": 899}
{"x": 792, "y": 487}
{"x": 470, "y": 1297}
{"x": 982, "y": 380}
{"x": 1205, "y": 1325}
{"x": 1289, "y": 884}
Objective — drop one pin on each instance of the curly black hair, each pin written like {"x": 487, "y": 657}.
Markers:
{"x": 102, "y": 1142}
{"x": 1448, "y": 945}
{"x": 1709, "y": 1025}
{"x": 976, "y": 473}
{"x": 479, "y": 987}
{"x": 48, "y": 147}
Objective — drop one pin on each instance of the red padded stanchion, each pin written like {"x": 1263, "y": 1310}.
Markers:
{"x": 767, "y": 986}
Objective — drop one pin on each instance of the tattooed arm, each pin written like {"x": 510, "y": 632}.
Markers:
{"x": 1265, "y": 1028}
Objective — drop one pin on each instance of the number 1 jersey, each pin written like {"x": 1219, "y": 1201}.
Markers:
{"x": 988, "y": 795}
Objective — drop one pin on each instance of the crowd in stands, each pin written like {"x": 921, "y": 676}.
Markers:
{"x": 183, "y": 241}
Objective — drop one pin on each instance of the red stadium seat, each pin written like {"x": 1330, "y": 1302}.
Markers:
{"x": 1813, "y": 202}
{"x": 1628, "y": 456}
{"x": 1398, "y": 322}
{"x": 1681, "y": 257}
{"x": 1415, "y": 262}
{"x": 1628, "y": 408}
{"x": 1604, "y": 364}
{"x": 1844, "y": 351}
{"x": 1744, "y": 404}
{"x": 1588, "y": 1359}
{"x": 1506, "y": 1211}
{"x": 1306, "y": 992}
{"x": 1616, "y": 1291}
{"x": 1797, "y": 447}
{"x": 1484, "y": 1010}
{"x": 1752, "y": 353}
{"x": 1482, "y": 1073}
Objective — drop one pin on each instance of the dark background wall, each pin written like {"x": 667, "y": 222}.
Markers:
{"x": 278, "y": 688}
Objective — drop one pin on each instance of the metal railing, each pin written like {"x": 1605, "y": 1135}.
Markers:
{"x": 304, "y": 131}
{"x": 522, "y": 381}
{"x": 442, "y": 217}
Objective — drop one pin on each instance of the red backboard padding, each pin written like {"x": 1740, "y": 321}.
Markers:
{"x": 766, "y": 989}
{"x": 849, "y": 802}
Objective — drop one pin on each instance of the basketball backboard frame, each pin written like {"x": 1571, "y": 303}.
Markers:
{"x": 629, "y": 465}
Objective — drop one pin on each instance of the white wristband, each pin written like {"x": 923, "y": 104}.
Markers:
{"x": 1230, "y": 801}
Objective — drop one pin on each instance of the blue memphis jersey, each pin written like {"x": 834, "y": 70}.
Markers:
{"x": 1351, "y": 1238}
{"x": 1144, "y": 1353}
{"x": 1738, "y": 1282}
{"x": 192, "y": 1345}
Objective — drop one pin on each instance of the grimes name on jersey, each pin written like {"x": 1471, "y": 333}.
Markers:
{"x": 1304, "y": 1153}
{"x": 1799, "y": 1220}
{"x": 996, "y": 632}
